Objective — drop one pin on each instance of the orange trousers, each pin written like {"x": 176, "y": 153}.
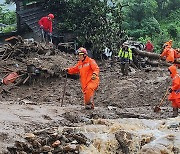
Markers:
{"x": 89, "y": 92}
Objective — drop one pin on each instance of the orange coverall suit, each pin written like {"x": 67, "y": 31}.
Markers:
{"x": 174, "y": 96}
{"x": 86, "y": 69}
{"x": 169, "y": 53}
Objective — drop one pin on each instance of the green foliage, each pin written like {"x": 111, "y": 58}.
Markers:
{"x": 165, "y": 7}
{"x": 8, "y": 29}
{"x": 98, "y": 21}
{"x": 171, "y": 27}
{"x": 150, "y": 26}
{"x": 140, "y": 16}
{"x": 156, "y": 20}
{"x": 172, "y": 30}
{"x": 8, "y": 18}
{"x": 103, "y": 21}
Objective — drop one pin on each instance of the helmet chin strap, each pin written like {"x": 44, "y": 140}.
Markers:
{"x": 84, "y": 57}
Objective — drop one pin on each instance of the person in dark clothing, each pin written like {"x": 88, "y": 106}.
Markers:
{"x": 125, "y": 55}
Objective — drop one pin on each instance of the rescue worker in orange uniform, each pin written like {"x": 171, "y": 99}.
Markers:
{"x": 168, "y": 43}
{"x": 89, "y": 76}
{"x": 177, "y": 57}
{"x": 174, "y": 95}
{"x": 45, "y": 24}
{"x": 168, "y": 52}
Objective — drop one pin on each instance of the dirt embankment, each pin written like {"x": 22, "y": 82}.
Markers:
{"x": 36, "y": 104}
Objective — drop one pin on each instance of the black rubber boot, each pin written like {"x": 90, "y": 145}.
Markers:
{"x": 122, "y": 68}
{"x": 175, "y": 112}
{"x": 88, "y": 106}
{"x": 126, "y": 66}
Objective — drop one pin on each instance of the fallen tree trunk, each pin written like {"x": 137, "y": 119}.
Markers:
{"x": 154, "y": 56}
{"x": 151, "y": 55}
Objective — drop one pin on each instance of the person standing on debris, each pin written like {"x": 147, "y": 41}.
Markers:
{"x": 45, "y": 24}
{"x": 149, "y": 46}
{"x": 168, "y": 52}
{"x": 89, "y": 76}
{"x": 174, "y": 95}
{"x": 168, "y": 44}
{"x": 125, "y": 55}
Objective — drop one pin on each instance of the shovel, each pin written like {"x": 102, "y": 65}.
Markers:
{"x": 43, "y": 37}
{"x": 50, "y": 40}
{"x": 157, "y": 107}
{"x": 64, "y": 89}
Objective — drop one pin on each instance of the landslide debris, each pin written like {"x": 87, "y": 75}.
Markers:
{"x": 133, "y": 96}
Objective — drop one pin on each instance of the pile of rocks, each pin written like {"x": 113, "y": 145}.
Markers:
{"x": 47, "y": 141}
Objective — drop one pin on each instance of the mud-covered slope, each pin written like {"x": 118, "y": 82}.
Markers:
{"x": 141, "y": 88}
{"x": 37, "y": 103}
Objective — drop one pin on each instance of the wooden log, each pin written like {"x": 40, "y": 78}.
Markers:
{"x": 152, "y": 55}
{"x": 12, "y": 40}
{"x": 146, "y": 54}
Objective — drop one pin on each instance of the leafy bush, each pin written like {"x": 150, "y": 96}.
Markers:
{"x": 8, "y": 18}
{"x": 92, "y": 21}
{"x": 8, "y": 29}
{"x": 172, "y": 30}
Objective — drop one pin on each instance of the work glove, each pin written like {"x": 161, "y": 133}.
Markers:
{"x": 94, "y": 76}
{"x": 65, "y": 70}
{"x": 170, "y": 90}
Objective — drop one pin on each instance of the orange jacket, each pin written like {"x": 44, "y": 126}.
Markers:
{"x": 169, "y": 53}
{"x": 85, "y": 68}
{"x": 175, "y": 83}
{"x": 177, "y": 54}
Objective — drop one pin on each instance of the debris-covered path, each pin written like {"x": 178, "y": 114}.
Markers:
{"x": 36, "y": 105}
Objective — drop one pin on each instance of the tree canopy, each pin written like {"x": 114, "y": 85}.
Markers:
{"x": 7, "y": 18}
{"x": 109, "y": 22}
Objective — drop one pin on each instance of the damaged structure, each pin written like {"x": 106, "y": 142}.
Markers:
{"x": 28, "y": 14}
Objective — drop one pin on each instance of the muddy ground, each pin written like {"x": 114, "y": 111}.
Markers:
{"x": 36, "y": 104}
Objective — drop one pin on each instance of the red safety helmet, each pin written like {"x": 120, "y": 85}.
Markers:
{"x": 51, "y": 16}
{"x": 82, "y": 51}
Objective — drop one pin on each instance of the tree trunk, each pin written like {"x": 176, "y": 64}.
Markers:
{"x": 151, "y": 55}
{"x": 154, "y": 56}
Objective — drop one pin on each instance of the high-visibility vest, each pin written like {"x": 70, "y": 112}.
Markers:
{"x": 125, "y": 53}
